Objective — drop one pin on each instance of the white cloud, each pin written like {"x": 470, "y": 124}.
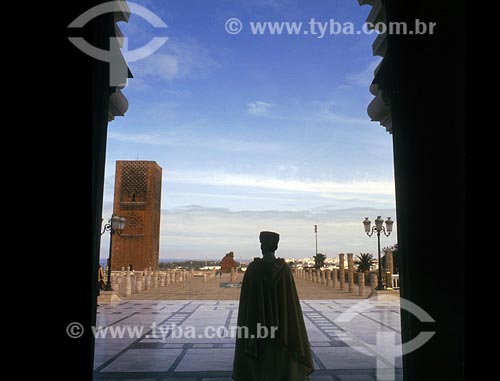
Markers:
{"x": 365, "y": 77}
{"x": 276, "y": 5}
{"x": 258, "y": 108}
{"x": 193, "y": 139}
{"x": 176, "y": 60}
{"x": 165, "y": 66}
{"x": 288, "y": 169}
{"x": 343, "y": 119}
{"x": 330, "y": 111}
{"x": 326, "y": 187}
{"x": 195, "y": 232}
{"x": 198, "y": 232}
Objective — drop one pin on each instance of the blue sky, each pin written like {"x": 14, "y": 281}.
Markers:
{"x": 255, "y": 132}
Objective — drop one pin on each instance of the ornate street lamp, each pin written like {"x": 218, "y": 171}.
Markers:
{"x": 116, "y": 224}
{"x": 379, "y": 227}
{"x": 316, "y": 233}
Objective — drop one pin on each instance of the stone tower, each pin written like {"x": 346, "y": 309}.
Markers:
{"x": 138, "y": 199}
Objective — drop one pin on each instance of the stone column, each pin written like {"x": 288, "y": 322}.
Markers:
{"x": 128, "y": 284}
{"x": 334, "y": 278}
{"x": 119, "y": 285}
{"x": 321, "y": 277}
{"x": 373, "y": 281}
{"x": 138, "y": 281}
{"x": 162, "y": 279}
{"x": 167, "y": 277}
{"x": 389, "y": 268}
{"x": 341, "y": 271}
{"x": 133, "y": 282}
{"x": 155, "y": 279}
{"x": 350, "y": 272}
{"x": 328, "y": 274}
{"x": 233, "y": 276}
{"x": 147, "y": 280}
{"x": 361, "y": 283}
{"x": 112, "y": 279}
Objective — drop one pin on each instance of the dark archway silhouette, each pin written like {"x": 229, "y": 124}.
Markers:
{"x": 425, "y": 80}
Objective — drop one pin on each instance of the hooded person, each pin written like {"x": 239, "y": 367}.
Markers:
{"x": 272, "y": 342}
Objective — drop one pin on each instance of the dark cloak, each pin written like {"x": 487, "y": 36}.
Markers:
{"x": 269, "y": 297}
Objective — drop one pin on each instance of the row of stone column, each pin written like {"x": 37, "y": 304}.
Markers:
{"x": 336, "y": 278}
{"x": 131, "y": 282}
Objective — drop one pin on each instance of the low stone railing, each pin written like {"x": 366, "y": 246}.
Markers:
{"x": 332, "y": 278}
{"x": 126, "y": 282}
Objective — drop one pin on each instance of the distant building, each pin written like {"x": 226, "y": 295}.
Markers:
{"x": 205, "y": 268}
{"x": 138, "y": 199}
{"x": 228, "y": 262}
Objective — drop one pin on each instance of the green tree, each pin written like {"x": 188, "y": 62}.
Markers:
{"x": 319, "y": 260}
{"x": 364, "y": 261}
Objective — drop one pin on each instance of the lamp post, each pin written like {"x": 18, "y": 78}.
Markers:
{"x": 316, "y": 233}
{"x": 379, "y": 227}
{"x": 116, "y": 224}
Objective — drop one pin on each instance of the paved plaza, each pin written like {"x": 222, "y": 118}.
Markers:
{"x": 343, "y": 334}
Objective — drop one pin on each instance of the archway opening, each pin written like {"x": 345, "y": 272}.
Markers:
{"x": 259, "y": 129}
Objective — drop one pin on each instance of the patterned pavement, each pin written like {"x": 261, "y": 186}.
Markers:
{"x": 169, "y": 340}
